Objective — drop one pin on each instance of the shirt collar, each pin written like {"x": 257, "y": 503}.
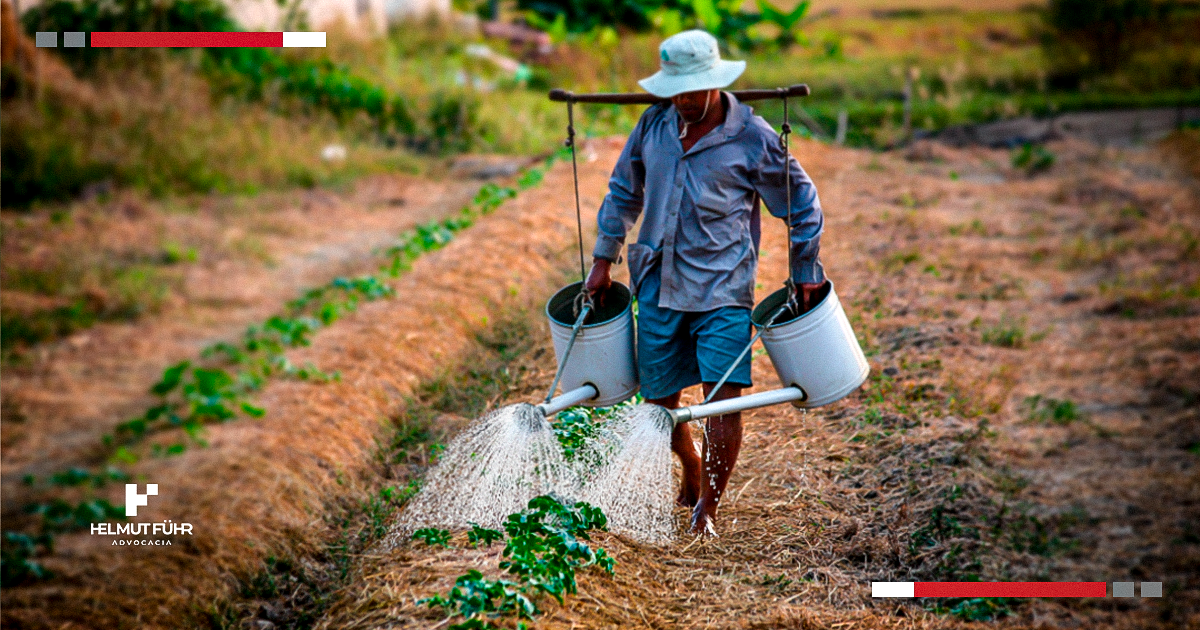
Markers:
{"x": 736, "y": 115}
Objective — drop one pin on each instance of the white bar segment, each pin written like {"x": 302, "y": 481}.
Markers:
{"x": 893, "y": 589}
{"x": 303, "y": 40}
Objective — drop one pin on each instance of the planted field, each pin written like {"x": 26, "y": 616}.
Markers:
{"x": 279, "y": 305}
{"x": 1030, "y": 416}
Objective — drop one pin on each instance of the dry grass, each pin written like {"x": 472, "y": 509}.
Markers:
{"x": 891, "y": 483}
{"x": 1183, "y": 148}
{"x": 932, "y": 471}
{"x": 48, "y": 72}
{"x": 263, "y": 486}
{"x": 309, "y": 236}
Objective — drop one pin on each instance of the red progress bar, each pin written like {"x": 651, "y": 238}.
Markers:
{"x": 177, "y": 39}
{"x": 1009, "y": 589}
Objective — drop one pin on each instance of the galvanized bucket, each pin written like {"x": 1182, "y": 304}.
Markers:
{"x": 603, "y": 355}
{"x": 816, "y": 351}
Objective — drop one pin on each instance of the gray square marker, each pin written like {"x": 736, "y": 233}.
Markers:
{"x": 1151, "y": 589}
{"x": 1122, "y": 589}
{"x": 74, "y": 39}
{"x": 46, "y": 39}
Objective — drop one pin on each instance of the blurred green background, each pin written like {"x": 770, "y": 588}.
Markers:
{"x": 179, "y": 126}
{"x": 241, "y": 120}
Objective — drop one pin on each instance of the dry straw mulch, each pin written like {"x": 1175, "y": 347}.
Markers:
{"x": 266, "y": 487}
{"x": 939, "y": 469}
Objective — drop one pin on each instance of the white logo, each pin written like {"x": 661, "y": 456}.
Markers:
{"x": 133, "y": 498}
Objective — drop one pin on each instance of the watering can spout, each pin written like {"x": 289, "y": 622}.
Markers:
{"x": 734, "y": 405}
{"x": 585, "y": 392}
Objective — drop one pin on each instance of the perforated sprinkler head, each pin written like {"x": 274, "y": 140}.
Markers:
{"x": 662, "y": 417}
{"x": 530, "y": 418}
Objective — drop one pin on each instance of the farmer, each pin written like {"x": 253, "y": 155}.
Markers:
{"x": 697, "y": 167}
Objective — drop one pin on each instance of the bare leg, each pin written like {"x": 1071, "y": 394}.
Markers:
{"x": 681, "y": 444}
{"x": 722, "y": 442}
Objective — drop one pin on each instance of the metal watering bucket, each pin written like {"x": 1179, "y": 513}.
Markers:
{"x": 603, "y": 355}
{"x": 816, "y": 351}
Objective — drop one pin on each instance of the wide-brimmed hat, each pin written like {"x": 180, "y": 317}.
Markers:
{"x": 691, "y": 62}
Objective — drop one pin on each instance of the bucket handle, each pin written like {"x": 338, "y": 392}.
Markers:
{"x": 583, "y": 313}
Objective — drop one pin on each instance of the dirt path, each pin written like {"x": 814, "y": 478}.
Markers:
{"x": 972, "y": 297}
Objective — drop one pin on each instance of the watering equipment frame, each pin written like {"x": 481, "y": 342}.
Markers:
{"x": 832, "y": 316}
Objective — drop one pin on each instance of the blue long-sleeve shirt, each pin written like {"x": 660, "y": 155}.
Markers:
{"x": 702, "y": 227}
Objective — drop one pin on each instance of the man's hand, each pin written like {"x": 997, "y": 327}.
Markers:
{"x": 599, "y": 279}
{"x": 806, "y": 294}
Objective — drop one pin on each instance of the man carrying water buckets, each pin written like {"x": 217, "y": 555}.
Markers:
{"x": 697, "y": 167}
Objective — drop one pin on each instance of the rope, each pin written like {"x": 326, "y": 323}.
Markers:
{"x": 683, "y": 134}
{"x": 582, "y": 304}
{"x": 784, "y": 134}
{"x": 575, "y": 177}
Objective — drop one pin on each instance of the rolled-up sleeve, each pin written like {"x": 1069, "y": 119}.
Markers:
{"x": 808, "y": 222}
{"x": 623, "y": 203}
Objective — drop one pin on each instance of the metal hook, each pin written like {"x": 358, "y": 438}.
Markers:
{"x": 582, "y": 301}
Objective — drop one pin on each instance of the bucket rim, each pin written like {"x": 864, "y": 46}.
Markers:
{"x": 762, "y": 310}
{"x": 573, "y": 289}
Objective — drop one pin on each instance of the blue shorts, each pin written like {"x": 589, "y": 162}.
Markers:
{"x": 677, "y": 349}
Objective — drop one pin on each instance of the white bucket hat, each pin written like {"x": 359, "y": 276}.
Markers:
{"x": 691, "y": 62}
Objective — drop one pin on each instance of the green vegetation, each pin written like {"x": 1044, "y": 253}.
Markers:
{"x": 1007, "y": 333}
{"x": 308, "y": 586}
{"x": 1045, "y": 410}
{"x": 1040, "y": 410}
{"x": 944, "y": 522}
{"x": 418, "y": 91}
{"x": 251, "y": 73}
{"x": 192, "y": 396}
{"x": 72, "y": 293}
{"x": 1032, "y": 159}
{"x": 17, "y": 551}
{"x": 899, "y": 260}
{"x": 1135, "y": 42}
{"x": 976, "y": 608}
{"x": 302, "y": 590}
{"x": 574, "y": 427}
{"x": 433, "y": 536}
{"x": 545, "y": 546}
{"x": 725, "y": 19}
{"x": 127, "y": 113}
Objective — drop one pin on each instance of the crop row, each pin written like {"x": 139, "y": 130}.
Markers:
{"x": 545, "y": 545}
{"x": 218, "y": 386}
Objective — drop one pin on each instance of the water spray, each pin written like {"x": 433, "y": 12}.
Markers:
{"x": 512, "y": 454}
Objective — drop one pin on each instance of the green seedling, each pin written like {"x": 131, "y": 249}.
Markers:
{"x": 483, "y": 536}
{"x": 433, "y": 537}
{"x": 544, "y": 547}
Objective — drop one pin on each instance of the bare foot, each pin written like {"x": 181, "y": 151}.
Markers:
{"x": 687, "y": 498}
{"x": 702, "y": 521}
